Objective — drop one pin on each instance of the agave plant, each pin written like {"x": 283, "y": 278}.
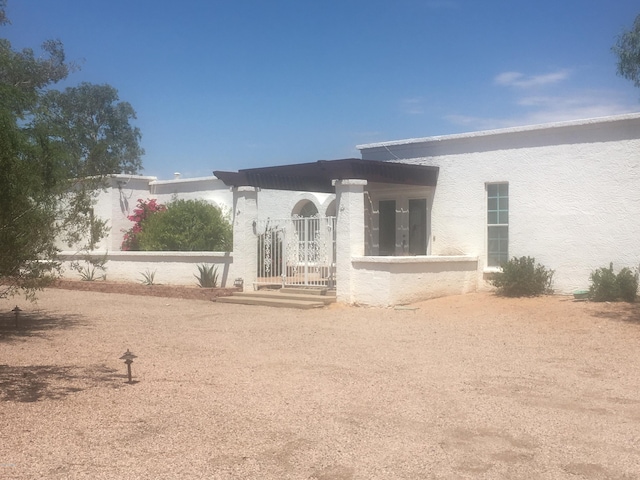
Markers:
{"x": 148, "y": 277}
{"x": 208, "y": 276}
{"x": 88, "y": 273}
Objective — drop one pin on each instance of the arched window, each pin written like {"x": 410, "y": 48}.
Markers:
{"x": 331, "y": 209}
{"x": 306, "y": 210}
{"x": 305, "y": 215}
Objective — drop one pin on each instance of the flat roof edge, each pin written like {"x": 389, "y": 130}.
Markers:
{"x": 130, "y": 176}
{"x": 504, "y": 131}
{"x": 184, "y": 180}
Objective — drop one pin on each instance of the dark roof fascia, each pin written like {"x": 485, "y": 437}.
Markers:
{"x": 318, "y": 176}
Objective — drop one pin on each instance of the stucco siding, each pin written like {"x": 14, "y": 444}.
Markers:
{"x": 388, "y": 281}
{"x": 169, "y": 268}
{"x": 574, "y": 194}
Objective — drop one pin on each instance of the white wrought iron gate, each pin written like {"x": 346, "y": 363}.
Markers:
{"x": 296, "y": 251}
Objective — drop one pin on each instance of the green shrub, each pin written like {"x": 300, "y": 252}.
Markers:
{"x": 606, "y": 286}
{"x": 627, "y": 284}
{"x": 208, "y": 276}
{"x": 187, "y": 226}
{"x": 522, "y": 277}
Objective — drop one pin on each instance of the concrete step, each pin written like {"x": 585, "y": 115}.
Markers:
{"x": 285, "y": 294}
{"x": 279, "y": 295}
{"x": 270, "y": 301}
{"x": 308, "y": 291}
{"x": 284, "y": 297}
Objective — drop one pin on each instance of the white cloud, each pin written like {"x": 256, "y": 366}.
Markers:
{"x": 507, "y": 78}
{"x": 546, "y": 98}
{"x": 520, "y": 80}
{"x": 412, "y": 106}
{"x": 534, "y": 110}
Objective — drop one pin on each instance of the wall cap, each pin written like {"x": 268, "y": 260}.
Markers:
{"x": 415, "y": 259}
{"x": 348, "y": 181}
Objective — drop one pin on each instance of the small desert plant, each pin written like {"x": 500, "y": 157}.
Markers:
{"x": 92, "y": 269}
{"x": 90, "y": 273}
{"x": 606, "y": 286}
{"x": 522, "y": 277}
{"x": 208, "y": 276}
{"x": 148, "y": 277}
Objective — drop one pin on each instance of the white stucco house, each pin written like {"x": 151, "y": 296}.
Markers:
{"x": 418, "y": 218}
{"x": 567, "y": 193}
{"x": 120, "y": 197}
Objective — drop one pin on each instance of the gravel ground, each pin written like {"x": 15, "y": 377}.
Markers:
{"x": 472, "y": 386}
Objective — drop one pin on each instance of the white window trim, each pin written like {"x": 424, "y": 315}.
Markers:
{"x": 493, "y": 268}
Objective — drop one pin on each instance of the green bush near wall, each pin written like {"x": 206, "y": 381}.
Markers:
{"x": 606, "y": 286}
{"x": 187, "y": 226}
{"x": 523, "y": 277}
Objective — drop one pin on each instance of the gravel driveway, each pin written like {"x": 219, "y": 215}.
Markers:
{"x": 471, "y": 386}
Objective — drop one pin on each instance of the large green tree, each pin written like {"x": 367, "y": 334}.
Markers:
{"x": 44, "y": 199}
{"x": 627, "y": 49}
{"x": 93, "y": 128}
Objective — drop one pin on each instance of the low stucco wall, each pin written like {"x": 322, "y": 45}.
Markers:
{"x": 388, "y": 281}
{"x": 171, "y": 268}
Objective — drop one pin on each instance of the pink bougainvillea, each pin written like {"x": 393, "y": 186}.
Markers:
{"x": 142, "y": 211}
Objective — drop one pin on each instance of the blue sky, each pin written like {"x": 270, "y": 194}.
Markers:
{"x": 230, "y": 84}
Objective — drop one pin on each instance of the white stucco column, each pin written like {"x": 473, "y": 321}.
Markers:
{"x": 245, "y": 213}
{"x": 349, "y": 233}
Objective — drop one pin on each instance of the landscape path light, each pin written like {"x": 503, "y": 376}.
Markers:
{"x": 16, "y": 311}
{"x": 128, "y": 359}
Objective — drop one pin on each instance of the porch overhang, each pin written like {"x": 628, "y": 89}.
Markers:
{"x": 317, "y": 176}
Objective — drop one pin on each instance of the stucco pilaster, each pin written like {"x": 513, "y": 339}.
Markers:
{"x": 245, "y": 214}
{"x": 349, "y": 233}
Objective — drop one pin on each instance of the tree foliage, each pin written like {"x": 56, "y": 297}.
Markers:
{"x": 187, "y": 226}
{"x": 43, "y": 200}
{"x": 627, "y": 49}
{"x": 92, "y": 127}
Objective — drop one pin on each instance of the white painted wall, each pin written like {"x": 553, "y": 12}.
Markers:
{"x": 245, "y": 213}
{"x": 350, "y": 236}
{"x": 574, "y": 192}
{"x": 389, "y": 281}
{"x": 171, "y": 268}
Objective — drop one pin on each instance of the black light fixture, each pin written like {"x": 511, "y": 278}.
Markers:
{"x": 128, "y": 359}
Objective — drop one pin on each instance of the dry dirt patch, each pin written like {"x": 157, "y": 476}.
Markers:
{"x": 158, "y": 290}
{"x": 463, "y": 387}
